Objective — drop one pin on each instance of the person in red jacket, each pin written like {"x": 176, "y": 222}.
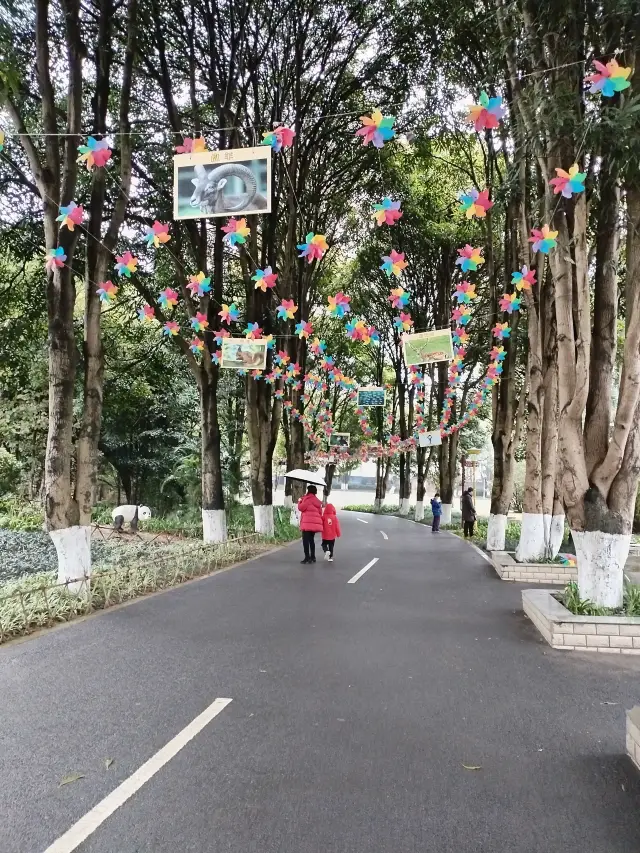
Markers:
{"x": 330, "y": 531}
{"x": 310, "y": 522}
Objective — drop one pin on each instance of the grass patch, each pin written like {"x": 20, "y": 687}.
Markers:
{"x": 570, "y": 597}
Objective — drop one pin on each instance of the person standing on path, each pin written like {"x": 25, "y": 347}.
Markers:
{"x": 310, "y": 522}
{"x": 468, "y": 512}
{"x": 330, "y": 531}
{"x": 436, "y": 511}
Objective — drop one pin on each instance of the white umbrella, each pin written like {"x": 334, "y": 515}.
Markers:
{"x": 306, "y": 476}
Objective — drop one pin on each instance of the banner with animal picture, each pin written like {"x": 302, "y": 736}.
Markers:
{"x": 340, "y": 439}
{"x": 243, "y": 354}
{"x": 233, "y": 182}
{"x": 429, "y": 439}
{"x": 371, "y": 396}
{"x": 425, "y": 347}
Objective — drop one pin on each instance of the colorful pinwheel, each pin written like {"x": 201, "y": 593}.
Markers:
{"x": 253, "y": 331}
{"x": 394, "y": 263}
{"x": 523, "y": 279}
{"x": 278, "y": 138}
{"x": 355, "y": 329}
{"x": 126, "y": 264}
{"x": 501, "y": 331}
{"x": 404, "y": 322}
{"x": 475, "y": 203}
{"x": 376, "y": 128}
{"x": 510, "y": 302}
{"x": 373, "y": 335}
{"x": 265, "y": 279}
{"x": 236, "y": 231}
{"x": 339, "y": 305}
{"x": 461, "y": 315}
{"x": 1, "y": 141}
{"x": 191, "y": 146}
{"x": 158, "y": 233}
{"x": 293, "y": 369}
{"x": 317, "y": 347}
{"x": 568, "y": 183}
{"x": 196, "y": 346}
{"x": 543, "y": 240}
{"x": 314, "y": 247}
{"x": 269, "y": 340}
{"x": 459, "y": 336}
{"x": 146, "y": 313}
{"x": 497, "y": 354}
{"x": 470, "y": 258}
{"x": 487, "y": 113}
{"x": 107, "y": 291}
{"x": 199, "y": 323}
{"x": 304, "y": 329}
{"x": 399, "y": 298}
{"x": 281, "y": 357}
{"x": 199, "y": 285}
{"x": 168, "y": 298}
{"x": 55, "y": 258}
{"x": 387, "y": 213}
{"x": 286, "y": 309}
{"x": 465, "y": 292}
{"x": 215, "y": 358}
{"x": 70, "y": 215}
{"x": 220, "y": 335}
{"x": 609, "y": 78}
{"x": 95, "y": 153}
{"x": 568, "y": 559}
{"x": 170, "y": 328}
{"x": 229, "y": 313}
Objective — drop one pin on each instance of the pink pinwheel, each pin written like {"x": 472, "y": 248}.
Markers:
{"x": 199, "y": 285}
{"x": 394, "y": 263}
{"x": 196, "y": 346}
{"x": 253, "y": 331}
{"x": 278, "y": 138}
{"x": 355, "y": 329}
{"x": 191, "y": 146}
{"x": 501, "y": 331}
{"x": 293, "y": 369}
{"x": 146, "y": 313}
{"x": 304, "y": 329}
{"x": 373, "y": 334}
{"x": 70, "y": 215}
{"x": 475, "y": 203}
{"x": 95, "y": 153}
{"x": 107, "y": 291}
{"x": 314, "y": 247}
{"x": 269, "y": 340}
{"x": 497, "y": 354}
{"x": 509, "y": 303}
{"x": 568, "y": 183}
{"x": 55, "y": 258}
{"x": 199, "y": 323}
{"x": 265, "y": 279}
{"x": 608, "y": 79}
{"x": 404, "y": 322}
{"x": 543, "y": 240}
{"x": 523, "y": 279}
{"x": 126, "y": 264}
{"x": 376, "y": 128}
{"x": 168, "y": 298}
{"x": 399, "y": 298}
{"x": 287, "y": 309}
{"x": 461, "y": 315}
{"x": 236, "y": 231}
{"x": 170, "y": 328}
{"x": 470, "y": 258}
{"x": 387, "y": 213}
{"x": 339, "y": 305}
{"x": 229, "y": 313}
{"x": 487, "y": 113}
{"x": 317, "y": 347}
{"x": 220, "y": 335}
{"x": 158, "y": 233}
{"x": 459, "y": 335}
{"x": 465, "y": 292}
{"x": 281, "y": 357}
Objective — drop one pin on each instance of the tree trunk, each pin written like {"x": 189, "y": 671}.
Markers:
{"x": 447, "y": 454}
{"x": 214, "y": 520}
{"x": 262, "y": 430}
{"x": 421, "y": 455}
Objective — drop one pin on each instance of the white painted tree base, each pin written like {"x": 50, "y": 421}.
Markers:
{"x": 556, "y": 535}
{"x": 263, "y": 519}
{"x": 419, "y": 511}
{"x": 601, "y": 560}
{"x": 532, "y": 544}
{"x": 288, "y": 502}
{"x": 496, "y": 530}
{"x": 445, "y": 518}
{"x": 214, "y": 525}
{"x": 73, "y": 547}
{"x": 404, "y": 506}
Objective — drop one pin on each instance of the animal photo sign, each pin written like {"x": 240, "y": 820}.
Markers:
{"x": 371, "y": 396}
{"x": 425, "y": 347}
{"x": 339, "y": 439}
{"x": 429, "y": 439}
{"x": 242, "y": 354}
{"x": 233, "y": 182}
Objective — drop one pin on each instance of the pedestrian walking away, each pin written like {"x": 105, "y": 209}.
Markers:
{"x": 330, "y": 531}
{"x": 436, "y": 511}
{"x": 310, "y": 522}
{"x": 468, "y": 512}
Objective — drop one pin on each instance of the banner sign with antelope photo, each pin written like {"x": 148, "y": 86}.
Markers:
{"x": 233, "y": 182}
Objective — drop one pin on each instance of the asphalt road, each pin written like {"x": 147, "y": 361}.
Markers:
{"x": 354, "y": 710}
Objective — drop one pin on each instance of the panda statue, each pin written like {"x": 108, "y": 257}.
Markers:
{"x": 131, "y": 514}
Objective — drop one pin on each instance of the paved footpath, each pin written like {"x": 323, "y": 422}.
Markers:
{"x": 355, "y": 707}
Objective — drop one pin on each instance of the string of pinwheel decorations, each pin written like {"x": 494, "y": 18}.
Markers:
{"x": 316, "y": 417}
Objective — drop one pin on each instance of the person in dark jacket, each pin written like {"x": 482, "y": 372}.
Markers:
{"x": 468, "y": 512}
{"x": 436, "y": 511}
{"x": 310, "y": 522}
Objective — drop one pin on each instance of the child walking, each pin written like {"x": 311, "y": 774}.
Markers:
{"x": 436, "y": 510}
{"x": 330, "y": 531}
{"x": 310, "y": 522}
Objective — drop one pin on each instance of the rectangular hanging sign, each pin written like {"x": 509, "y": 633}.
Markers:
{"x": 371, "y": 396}
{"x": 243, "y": 354}
{"x": 426, "y": 347}
{"x": 429, "y": 439}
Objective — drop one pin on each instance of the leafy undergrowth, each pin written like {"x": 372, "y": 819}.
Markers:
{"x": 570, "y": 597}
